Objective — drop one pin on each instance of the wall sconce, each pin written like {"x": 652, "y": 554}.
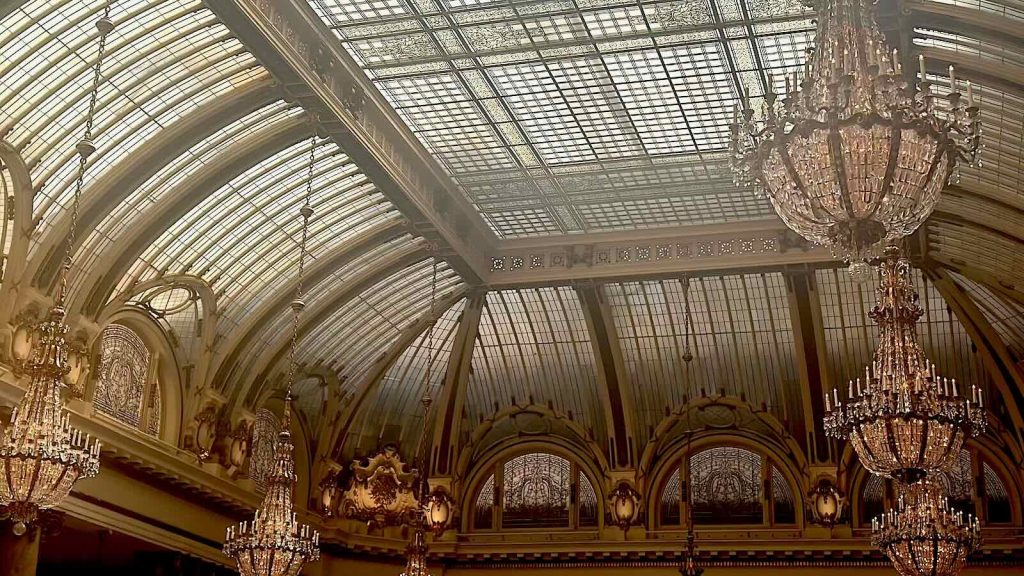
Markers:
{"x": 328, "y": 494}
{"x": 826, "y": 503}
{"x": 624, "y": 505}
{"x": 439, "y": 511}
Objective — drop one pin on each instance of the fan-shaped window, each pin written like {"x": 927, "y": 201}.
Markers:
{"x": 997, "y": 498}
{"x": 958, "y": 483}
{"x": 536, "y": 491}
{"x": 726, "y": 484}
{"x": 125, "y": 387}
{"x": 872, "y": 499}
{"x": 783, "y": 503}
{"x": 728, "y": 487}
{"x": 671, "y": 500}
{"x": 264, "y": 438}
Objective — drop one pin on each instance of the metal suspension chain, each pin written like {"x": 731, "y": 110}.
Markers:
{"x": 85, "y": 148}
{"x": 427, "y": 400}
{"x": 298, "y": 304}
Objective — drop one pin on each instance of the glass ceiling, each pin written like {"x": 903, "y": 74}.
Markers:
{"x": 533, "y": 346}
{"x": 741, "y": 341}
{"x": 164, "y": 59}
{"x": 559, "y": 116}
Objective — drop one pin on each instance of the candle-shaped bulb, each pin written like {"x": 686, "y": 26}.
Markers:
{"x": 952, "y": 78}
{"x": 920, "y": 63}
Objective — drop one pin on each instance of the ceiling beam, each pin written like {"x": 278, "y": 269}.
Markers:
{"x": 646, "y": 254}
{"x": 614, "y": 394}
{"x": 804, "y": 405}
{"x": 1008, "y": 378}
{"x": 288, "y": 38}
{"x": 125, "y": 177}
{"x": 453, "y": 393}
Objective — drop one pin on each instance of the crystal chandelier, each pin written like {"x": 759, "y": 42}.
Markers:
{"x": 903, "y": 420}
{"x": 852, "y": 156}
{"x": 416, "y": 555}
{"x": 41, "y": 454}
{"x": 274, "y": 543}
{"x": 923, "y": 536}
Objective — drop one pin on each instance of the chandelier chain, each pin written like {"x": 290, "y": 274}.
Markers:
{"x": 306, "y": 212}
{"x": 86, "y": 147}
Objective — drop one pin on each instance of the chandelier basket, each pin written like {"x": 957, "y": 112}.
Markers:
{"x": 903, "y": 420}
{"x": 851, "y": 154}
{"x": 923, "y": 536}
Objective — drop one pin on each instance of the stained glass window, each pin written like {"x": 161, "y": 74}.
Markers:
{"x": 121, "y": 380}
{"x": 264, "y": 437}
{"x": 958, "y": 483}
{"x": 153, "y": 411}
{"x": 536, "y": 491}
{"x": 671, "y": 500}
{"x": 587, "y": 502}
{"x": 726, "y": 486}
{"x": 483, "y": 516}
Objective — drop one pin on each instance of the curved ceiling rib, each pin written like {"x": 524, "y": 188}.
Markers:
{"x": 165, "y": 59}
{"x": 533, "y": 346}
{"x": 121, "y": 257}
{"x": 111, "y": 202}
{"x": 346, "y": 330}
{"x": 393, "y": 413}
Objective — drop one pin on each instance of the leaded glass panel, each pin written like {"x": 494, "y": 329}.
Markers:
{"x": 536, "y": 492}
{"x": 121, "y": 379}
{"x": 783, "y": 503}
{"x": 483, "y": 512}
{"x": 586, "y": 502}
{"x": 671, "y": 500}
{"x": 872, "y": 498}
{"x": 264, "y": 439}
{"x": 726, "y": 486}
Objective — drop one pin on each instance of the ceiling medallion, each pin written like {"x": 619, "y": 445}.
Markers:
{"x": 903, "y": 420}
{"x": 852, "y": 155}
{"x": 923, "y": 536}
{"x": 383, "y": 490}
{"x": 41, "y": 454}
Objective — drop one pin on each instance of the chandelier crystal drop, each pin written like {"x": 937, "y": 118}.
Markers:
{"x": 41, "y": 454}
{"x": 416, "y": 555}
{"x": 852, "y": 155}
{"x": 273, "y": 543}
{"x": 902, "y": 420}
{"x": 923, "y": 536}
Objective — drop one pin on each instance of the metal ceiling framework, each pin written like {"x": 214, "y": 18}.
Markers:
{"x": 474, "y": 131}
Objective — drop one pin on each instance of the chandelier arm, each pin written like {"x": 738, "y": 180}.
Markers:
{"x": 835, "y": 152}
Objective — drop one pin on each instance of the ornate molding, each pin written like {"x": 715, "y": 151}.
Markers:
{"x": 382, "y": 491}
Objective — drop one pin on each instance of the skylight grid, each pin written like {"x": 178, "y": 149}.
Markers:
{"x": 164, "y": 59}
{"x": 397, "y": 396}
{"x": 739, "y": 336}
{"x": 533, "y": 346}
{"x": 1005, "y": 316}
{"x": 577, "y": 87}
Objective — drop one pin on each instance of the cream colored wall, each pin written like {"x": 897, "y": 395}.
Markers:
{"x": 347, "y": 567}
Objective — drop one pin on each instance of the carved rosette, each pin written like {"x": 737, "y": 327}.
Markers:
{"x": 382, "y": 490}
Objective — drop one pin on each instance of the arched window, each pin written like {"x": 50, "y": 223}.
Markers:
{"x": 126, "y": 388}
{"x": 264, "y": 439}
{"x": 728, "y": 486}
{"x": 872, "y": 499}
{"x": 995, "y": 496}
{"x": 536, "y": 491}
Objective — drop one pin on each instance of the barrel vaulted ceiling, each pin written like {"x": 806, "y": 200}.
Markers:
{"x": 550, "y": 118}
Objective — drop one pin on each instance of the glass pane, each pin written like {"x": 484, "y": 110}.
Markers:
{"x": 997, "y": 499}
{"x": 483, "y": 512}
{"x": 587, "y": 502}
{"x": 783, "y": 503}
